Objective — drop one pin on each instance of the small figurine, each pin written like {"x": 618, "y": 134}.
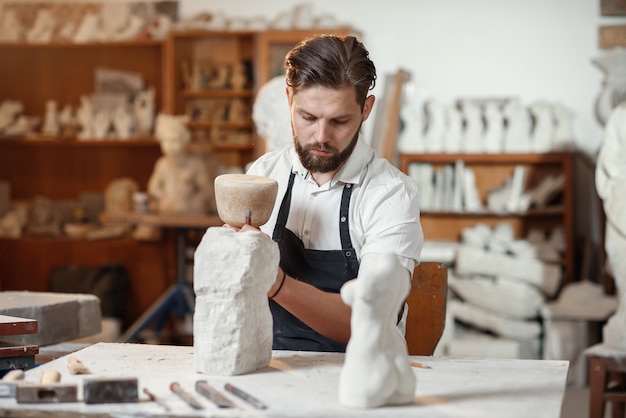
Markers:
{"x": 181, "y": 182}
{"x": 51, "y": 125}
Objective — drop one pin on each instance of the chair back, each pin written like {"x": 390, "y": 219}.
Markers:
{"x": 427, "y": 308}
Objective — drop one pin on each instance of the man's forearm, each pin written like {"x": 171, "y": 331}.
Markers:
{"x": 324, "y": 312}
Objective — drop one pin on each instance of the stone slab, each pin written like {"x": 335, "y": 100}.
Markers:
{"x": 60, "y": 316}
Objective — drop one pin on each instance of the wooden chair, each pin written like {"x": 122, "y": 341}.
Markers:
{"x": 427, "y": 308}
{"x": 607, "y": 381}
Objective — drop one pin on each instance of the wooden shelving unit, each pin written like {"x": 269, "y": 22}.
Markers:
{"x": 491, "y": 171}
{"x": 64, "y": 168}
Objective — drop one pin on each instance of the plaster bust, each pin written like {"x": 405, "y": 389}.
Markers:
{"x": 180, "y": 182}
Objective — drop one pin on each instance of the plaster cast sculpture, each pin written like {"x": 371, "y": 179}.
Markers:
{"x": 180, "y": 181}
{"x": 563, "y": 129}
{"x": 67, "y": 122}
{"x": 238, "y": 76}
{"x": 517, "y": 133}
{"x": 123, "y": 122}
{"x": 42, "y": 28}
{"x": 453, "y": 137}
{"x": 411, "y": 138}
{"x": 271, "y": 115}
{"x": 43, "y": 218}
{"x": 9, "y": 111}
{"x": 84, "y": 118}
{"x": 11, "y": 29}
{"x": 88, "y": 29}
{"x": 473, "y": 127}
{"x": 494, "y": 128}
{"x": 232, "y": 322}
{"x": 613, "y": 64}
{"x": 436, "y": 126}
{"x": 143, "y": 110}
{"x": 376, "y": 369}
{"x": 611, "y": 187}
{"x": 101, "y": 124}
{"x": 51, "y": 124}
{"x": 118, "y": 196}
{"x": 543, "y": 127}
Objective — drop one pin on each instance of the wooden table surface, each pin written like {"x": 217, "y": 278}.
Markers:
{"x": 305, "y": 384}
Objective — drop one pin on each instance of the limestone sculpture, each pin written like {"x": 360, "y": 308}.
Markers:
{"x": 376, "y": 370}
{"x": 611, "y": 187}
{"x": 180, "y": 182}
{"x": 232, "y": 322}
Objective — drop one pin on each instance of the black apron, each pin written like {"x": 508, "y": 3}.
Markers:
{"x": 326, "y": 270}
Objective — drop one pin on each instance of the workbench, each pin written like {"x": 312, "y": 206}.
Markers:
{"x": 305, "y": 384}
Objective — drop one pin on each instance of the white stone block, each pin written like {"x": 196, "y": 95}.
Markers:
{"x": 232, "y": 321}
{"x": 471, "y": 260}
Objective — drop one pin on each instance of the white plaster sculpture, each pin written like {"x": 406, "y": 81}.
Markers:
{"x": 473, "y": 127}
{"x": 88, "y": 29}
{"x": 471, "y": 196}
{"x": 42, "y": 28}
{"x": 51, "y": 125}
{"x": 11, "y": 29}
{"x": 67, "y": 122}
{"x": 453, "y": 137}
{"x": 118, "y": 196}
{"x": 303, "y": 17}
{"x": 611, "y": 187}
{"x": 563, "y": 127}
{"x": 123, "y": 122}
{"x": 160, "y": 27}
{"x": 376, "y": 370}
{"x": 271, "y": 115}
{"x": 9, "y": 111}
{"x": 543, "y": 127}
{"x": 84, "y": 117}
{"x": 114, "y": 17}
{"x": 411, "y": 138}
{"x": 144, "y": 110}
{"x": 517, "y": 133}
{"x": 238, "y": 76}
{"x": 180, "y": 181}
{"x": 545, "y": 276}
{"x": 435, "y": 127}
{"x": 613, "y": 64}
{"x": 232, "y": 322}
{"x": 101, "y": 124}
{"x": 494, "y": 128}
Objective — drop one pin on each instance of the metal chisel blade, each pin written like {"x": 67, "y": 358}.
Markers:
{"x": 204, "y": 389}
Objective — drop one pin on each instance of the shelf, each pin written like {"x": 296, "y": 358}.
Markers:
{"x": 48, "y": 141}
{"x": 548, "y": 211}
{"x": 217, "y": 94}
{"x": 499, "y": 159}
{"x": 78, "y": 45}
{"x": 225, "y": 125}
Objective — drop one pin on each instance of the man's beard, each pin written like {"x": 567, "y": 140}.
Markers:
{"x": 315, "y": 163}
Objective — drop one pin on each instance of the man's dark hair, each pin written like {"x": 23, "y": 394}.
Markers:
{"x": 330, "y": 61}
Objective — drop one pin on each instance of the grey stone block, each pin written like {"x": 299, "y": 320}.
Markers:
{"x": 60, "y": 316}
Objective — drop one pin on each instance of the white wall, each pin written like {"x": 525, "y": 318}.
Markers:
{"x": 532, "y": 50}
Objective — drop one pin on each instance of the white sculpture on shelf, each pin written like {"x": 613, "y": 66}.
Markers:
{"x": 144, "y": 110}
{"x": 543, "y": 126}
{"x": 611, "y": 187}
{"x": 84, "y": 117}
{"x": 51, "y": 125}
{"x": 494, "y": 128}
{"x": 436, "y": 126}
{"x": 101, "y": 124}
{"x": 453, "y": 137}
{"x": 517, "y": 133}
{"x": 473, "y": 127}
{"x": 88, "y": 29}
{"x": 11, "y": 29}
{"x": 563, "y": 129}
{"x": 42, "y": 28}
{"x": 376, "y": 369}
{"x": 123, "y": 122}
{"x": 181, "y": 182}
{"x": 411, "y": 138}
{"x": 9, "y": 111}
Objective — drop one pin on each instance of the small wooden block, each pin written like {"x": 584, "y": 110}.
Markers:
{"x": 54, "y": 393}
{"x": 110, "y": 390}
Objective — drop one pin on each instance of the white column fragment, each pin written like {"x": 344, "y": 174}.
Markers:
{"x": 232, "y": 321}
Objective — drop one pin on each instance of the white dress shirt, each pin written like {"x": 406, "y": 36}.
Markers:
{"x": 384, "y": 207}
